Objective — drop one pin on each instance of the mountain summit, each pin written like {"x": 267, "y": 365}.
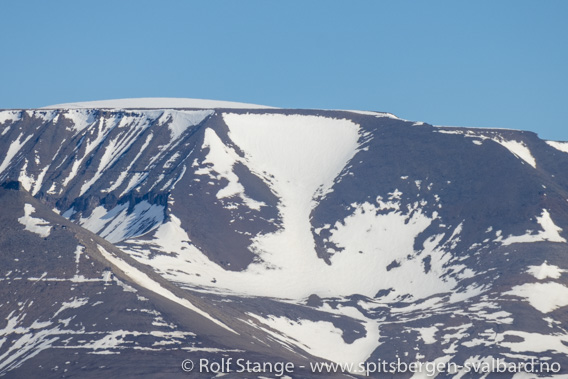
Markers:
{"x": 157, "y": 103}
{"x": 188, "y": 229}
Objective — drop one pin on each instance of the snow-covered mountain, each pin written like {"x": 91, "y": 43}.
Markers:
{"x": 188, "y": 229}
{"x": 157, "y": 103}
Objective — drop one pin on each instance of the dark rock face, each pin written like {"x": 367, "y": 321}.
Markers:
{"x": 146, "y": 237}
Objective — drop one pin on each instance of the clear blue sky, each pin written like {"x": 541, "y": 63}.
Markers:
{"x": 465, "y": 63}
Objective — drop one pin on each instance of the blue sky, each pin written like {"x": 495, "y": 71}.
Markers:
{"x": 463, "y": 63}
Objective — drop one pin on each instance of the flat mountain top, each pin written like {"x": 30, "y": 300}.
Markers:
{"x": 158, "y": 103}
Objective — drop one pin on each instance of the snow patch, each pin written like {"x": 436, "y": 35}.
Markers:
{"x": 11, "y": 116}
{"x": 428, "y": 334}
{"x": 38, "y": 182}
{"x": 74, "y": 303}
{"x": 298, "y": 156}
{"x": 81, "y": 119}
{"x": 45, "y": 116}
{"x": 545, "y": 271}
{"x": 320, "y": 338}
{"x": 119, "y": 224}
{"x": 159, "y": 102}
{"x": 550, "y": 232}
{"x": 145, "y": 281}
{"x": 32, "y": 224}
{"x": 535, "y": 342}
{"x": 222, "y": 159}
{"x": 545, "y": 297}
{"x": 370, "y": 240}
{"x": 376, "y": 114}
{"x": 562, "y": 146}
{"x": 179, "y": 121}
{"x": 118, "y": 182}
{"x": 519, "y": 149}
{"x": 13, "y": 150}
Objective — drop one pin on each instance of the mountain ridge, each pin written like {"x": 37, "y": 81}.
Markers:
{"x": 335, "y": 235}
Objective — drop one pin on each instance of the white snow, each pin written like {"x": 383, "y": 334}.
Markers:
{"x": 117, "y": 224}
{"x": 91, "y": 141}
{"x": 545, "y": 297}
{"x": 135, "y": 179}
{"x": 30, "y": 343}
{"x": 27, "y": 181}
{"x": 158, "y": 102}
{"x": 144, "y": 217}
{"x": 320, "y": 338}
{"x": 180, "y": 121}
{"x": 120, "y": 339}
{"x": 550, "y": 232}
{"x": 99, "y": 217}
{"x": 11, "y": 116}
{"x": 428, "y": 334}
{"x": 78, "y": 251}
{"x": 32, "y": 224}
{"x": 171, "y": 161}
{"x": 535, "y": 342}
{"x": 518, "y": 148}
{"x": 545, "y": 271}
{"x": 562, "y": 146}
{"x": 68, "y": 213}
{"x": 111, "y": 340}
{"x": 221, "y": 159}
{"x": 118, "y": 182}
{"x": 39, "y": 181}
{"x": 130, "y": 127}
{"x": 145, "y": 281}
{"x": 443, "y": 131}
{"x": 376, "y": 114}
{"x": 372, "y": 240}
{"x": 13, "y": 150}
{"x": 299, "y": 157}
{"x": 74, "y": 303}
{"x": 45, "y": 116}
{"x": 81, "y": 119}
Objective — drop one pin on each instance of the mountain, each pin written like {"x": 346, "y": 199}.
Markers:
{"x": 136, "y": 236}
{"x": 157, "y": 103}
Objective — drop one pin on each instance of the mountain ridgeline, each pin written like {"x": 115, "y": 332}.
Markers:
{"x": 276, "y": 235}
